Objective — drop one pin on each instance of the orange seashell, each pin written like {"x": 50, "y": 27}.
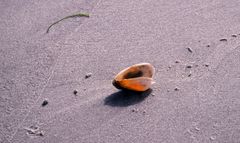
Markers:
{"x": 136, "y": 77}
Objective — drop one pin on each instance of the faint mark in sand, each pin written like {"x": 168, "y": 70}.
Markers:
{"x": 34, "y": 131}
{"x": 218, "y": 55}
{"x": 212, "y": 138}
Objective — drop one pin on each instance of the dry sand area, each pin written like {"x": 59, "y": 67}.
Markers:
{"x": 193, "y": 44}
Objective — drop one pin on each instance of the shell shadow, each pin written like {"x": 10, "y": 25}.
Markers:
{"x": 124, "y": 98}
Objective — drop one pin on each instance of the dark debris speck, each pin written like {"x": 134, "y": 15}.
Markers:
{"x": 177, "y": 62}
{"x": 234, "y": 35}
{"x": 41, "y": 134}
{"x": 44, "y": 103}
{"x": 88, "y": 75}
{"x": 75, "y": 92}
{"x": 176, "y": 89}
{"x": 134, "y": 110}
{"x": 206, "y": 65}
{"x": 208, "y": 45}
{"x": 189, "y": 50}
{"x": 223, "y": 40}
{"x": 189, "y": 67}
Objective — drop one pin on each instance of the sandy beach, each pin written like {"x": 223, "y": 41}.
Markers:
{"x": 45, "y": 96}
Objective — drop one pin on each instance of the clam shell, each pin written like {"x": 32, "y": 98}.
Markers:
{"x": 136, "y": 77}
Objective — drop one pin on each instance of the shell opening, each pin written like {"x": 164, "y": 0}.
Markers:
{"x": 133, "y": 74}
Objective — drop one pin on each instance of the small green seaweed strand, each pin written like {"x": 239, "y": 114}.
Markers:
{"x": 70, "y": 16}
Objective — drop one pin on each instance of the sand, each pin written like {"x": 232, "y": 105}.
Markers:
{"x": 196, "y": 97}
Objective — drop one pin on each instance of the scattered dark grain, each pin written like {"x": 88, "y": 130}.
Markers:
{"x": 44, "y": 103}
{"x": 176, "y": 89}
{"x": 75, "y": 92}
{"x": 223, "y": 40}
{"x": 206, "y": 65}
{"x": 88, "y": 75}
{"x": 189, "y": 50}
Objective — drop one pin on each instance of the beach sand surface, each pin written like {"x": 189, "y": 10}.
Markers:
{"x": 193, "y": 45}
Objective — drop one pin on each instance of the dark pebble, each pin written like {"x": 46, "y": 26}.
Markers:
{"x": 88, "y": 75}
{"x": 189, "y": 50}
{"x": 177, "y": 62}
{"x": 234, "y": 36}
{"x": 41, "y": 134}
{"x": 134, "y": 110}
{"x": 188, "y": 67}
{"x": 45, "y": 102}
{"x": 176, "y": 89}
{"x": 189, "y": 75}
{"x": 208, "y": 45}
{"x": 224, "y": 40}
{"x": 75, "y": 92}
{"x": 206, "y": 65}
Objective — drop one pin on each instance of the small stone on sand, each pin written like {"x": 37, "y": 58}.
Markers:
{"x": 134, "y": 110}
{"x": 88, "y": 75}
{"x": 41, "y": 134}
{"x": 206, "y": 65}
{"x": 208, "y": 45}
{"x": 188, "y": 67}
{"x": 75, "y": 92}
{"x": 223, "y": 40}
{"x": 176, "y": 89}
{"x": 44, "y": 103}
{"x": 177, "y": 62}
{"x": 189, "y": 50}
{"x": 234, "y": 35}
